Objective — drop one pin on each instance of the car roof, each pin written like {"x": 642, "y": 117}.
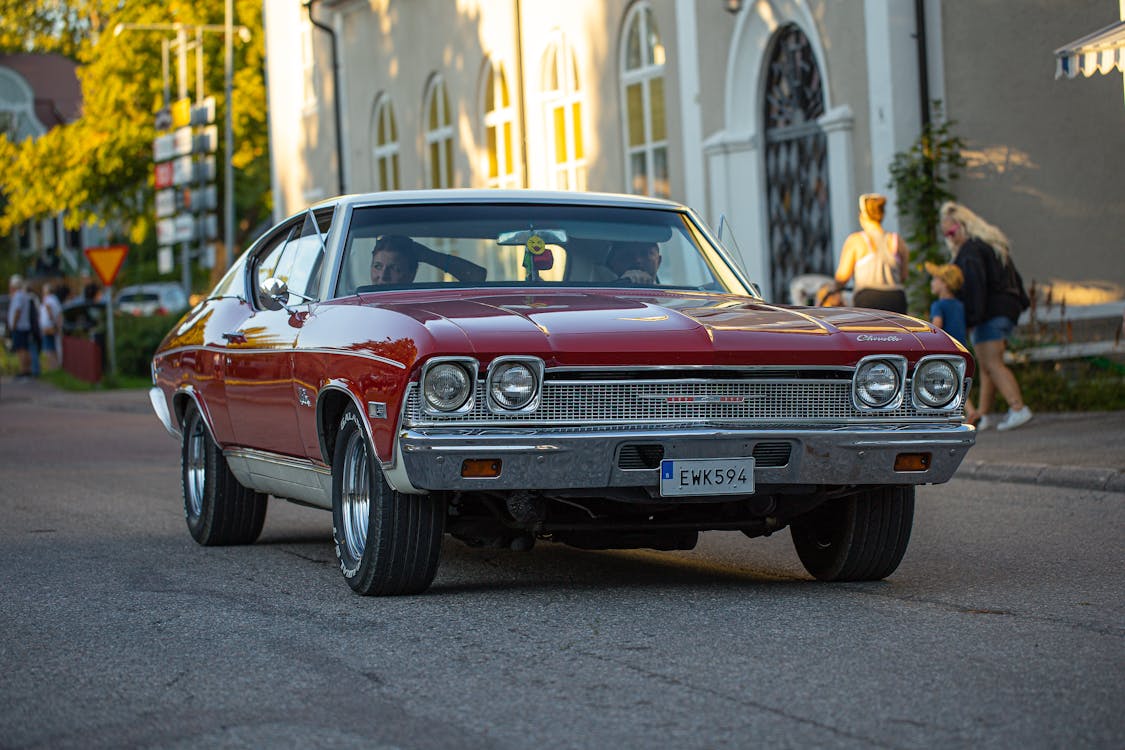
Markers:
{"x": 493, "y": 196}
{"x": 156, "y": 286}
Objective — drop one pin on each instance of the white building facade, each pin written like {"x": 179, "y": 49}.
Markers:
{"x": 770, "y": 116}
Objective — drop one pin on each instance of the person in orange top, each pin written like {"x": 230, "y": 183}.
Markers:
{"x": 878, "y": 261}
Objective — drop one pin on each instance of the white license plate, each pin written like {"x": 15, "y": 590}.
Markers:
{"x": 706, "y": 476}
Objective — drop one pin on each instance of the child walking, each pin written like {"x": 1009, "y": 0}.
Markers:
{"x": 948, "y": 313}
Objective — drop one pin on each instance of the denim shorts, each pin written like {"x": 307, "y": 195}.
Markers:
{"x": 993, "y": 329}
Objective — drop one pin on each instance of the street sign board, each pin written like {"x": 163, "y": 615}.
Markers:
{"x": 163, "y": 175}
{"x": 181, "y": 113}
{"x": 165, "y": 203}
{"x": 163, "y": 147}
{"x": 163, "y": 119}
{"x": 203, "y": 114}
{"x": 182, "y": 141}
{"x": 106, "y": 261}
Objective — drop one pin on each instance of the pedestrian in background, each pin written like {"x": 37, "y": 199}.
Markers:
{"x": 19, "y": 323}
{"x": 877, "y": 260}
{"x": 948, "y": 313}
{"x": 50, "y": 325}
{"x": 992, "y": 298}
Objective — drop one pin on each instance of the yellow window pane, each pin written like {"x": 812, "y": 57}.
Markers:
{"x": 578, "y": 149}
{"x": 490, "y": 93}
{"x": 394, "y": 173}
{"x": 433, "y": 113}
{"x": 435, "y": 164}
{"x": 490, "y": 138}
{"x": 509, "y": 162}
{"x": 656, "y": 101}
{"x": 503, "y": 81}
{"x": 560, "y": 135}
{"x": 445, "y": 113}
{"x": 635, "y": 113}
{"x": 381, "y": 127}
{"x": 382, "y": 174}
{"x": 391, "y": 120}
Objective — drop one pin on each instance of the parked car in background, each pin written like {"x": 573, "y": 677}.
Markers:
{"x": 163, "y": 298}
{"x": 508, "y": 367}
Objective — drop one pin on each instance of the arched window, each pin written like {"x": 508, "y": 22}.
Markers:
{"x": 562, "y": 113}
{"x": 642, "y": 94}
{"x": 439, "y": 136}
{"x": 499, "y": 128}
{"x": 384, "y": 145}
{"x": 800, "y": 221}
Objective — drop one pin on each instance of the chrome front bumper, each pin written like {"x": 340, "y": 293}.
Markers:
{"x": 557, "y": 460}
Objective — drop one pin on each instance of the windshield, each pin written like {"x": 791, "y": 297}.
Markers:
{"x": 395, "y": 247}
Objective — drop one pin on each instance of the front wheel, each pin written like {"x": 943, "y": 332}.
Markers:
{"x": 860, "y": 538}
{"x": 387, "y": 543}
{"x": 218, "y": 509}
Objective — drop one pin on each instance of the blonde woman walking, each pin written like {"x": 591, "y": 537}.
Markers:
{"x": 991, "y": 296}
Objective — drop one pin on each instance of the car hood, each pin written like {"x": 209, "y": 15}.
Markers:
{"x": 674, "y": 328}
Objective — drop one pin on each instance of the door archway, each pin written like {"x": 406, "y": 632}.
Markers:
{"x": 796, "y": 162}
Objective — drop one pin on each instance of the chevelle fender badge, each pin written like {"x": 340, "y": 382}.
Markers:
{"x": 877, "y": 337}
{"x": 303, "y": 396}
{"x": 693, "y": 399}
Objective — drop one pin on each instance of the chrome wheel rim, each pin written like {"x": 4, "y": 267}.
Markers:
{"x": 195, "y": 466}
{"x": 355, "y": 495}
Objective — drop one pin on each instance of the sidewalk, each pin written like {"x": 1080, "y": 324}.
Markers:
{"x": 1082, "y": 450}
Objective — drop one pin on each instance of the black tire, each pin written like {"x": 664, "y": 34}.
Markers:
{"x": 387, "y": 543}
{"x": 860, "y": 538}
{"x": 219, "y": 510}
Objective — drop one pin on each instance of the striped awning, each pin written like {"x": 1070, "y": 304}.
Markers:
{"x": 1100, "y": 52}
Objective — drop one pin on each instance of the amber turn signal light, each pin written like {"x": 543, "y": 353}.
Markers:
{"x": 481, "y": 468}
{"x": 912, "y": 462}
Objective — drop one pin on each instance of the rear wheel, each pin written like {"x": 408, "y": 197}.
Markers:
{"x": 387, "y": 543}
{"x": 861, "y": 538}
{"x": 218, "y": 509}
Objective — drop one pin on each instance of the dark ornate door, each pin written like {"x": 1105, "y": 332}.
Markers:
{"x": 796, "y": 152}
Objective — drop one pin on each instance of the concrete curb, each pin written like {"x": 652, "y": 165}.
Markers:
{"x": 1072, "y": 477}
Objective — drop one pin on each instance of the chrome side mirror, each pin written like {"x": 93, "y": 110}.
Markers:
{"x": 274, "y": 293}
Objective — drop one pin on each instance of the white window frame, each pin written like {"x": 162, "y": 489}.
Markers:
{"x": 496, "y": 79}
{"x": 436, "y": 95}
{"x": 651, "y": 68}
{"x": 569, "y": 97}
{"x": 387, "y": 151}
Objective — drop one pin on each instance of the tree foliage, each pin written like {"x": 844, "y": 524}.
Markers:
{"x": 99, "y": 168}
{"x": 921, "y": 176}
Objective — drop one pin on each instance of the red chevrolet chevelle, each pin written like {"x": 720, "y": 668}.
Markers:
{"x": 511, "y": 366}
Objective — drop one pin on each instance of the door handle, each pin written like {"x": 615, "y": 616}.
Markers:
{"x": 235, "y": 337}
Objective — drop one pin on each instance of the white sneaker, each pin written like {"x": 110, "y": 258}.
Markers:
{"x": 1015, "y": 419}
{"x": 986, "y": 421}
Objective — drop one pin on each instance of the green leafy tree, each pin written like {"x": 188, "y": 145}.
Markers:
{"x": 99, "y": 168}
{"x": 921, "y": 176}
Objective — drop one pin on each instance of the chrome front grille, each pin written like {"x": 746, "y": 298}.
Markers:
{"x": 697, "y": 401}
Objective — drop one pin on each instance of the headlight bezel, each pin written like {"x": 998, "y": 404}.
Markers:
{"x": 916, "y": 382}
{"x": 498, "y": 367}
{"x": 897, "y": 364}
{"x": 469, "y": 367}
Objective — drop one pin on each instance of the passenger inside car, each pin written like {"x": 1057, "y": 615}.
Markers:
{"x": 395, "y": 260}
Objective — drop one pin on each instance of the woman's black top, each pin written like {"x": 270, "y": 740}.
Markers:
{"x": 990, "y": 286}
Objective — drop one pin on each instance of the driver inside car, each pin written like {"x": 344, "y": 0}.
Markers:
{"x": 395, "y": 259}
{"x": 635, "y": 262}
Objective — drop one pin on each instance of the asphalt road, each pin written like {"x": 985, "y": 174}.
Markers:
{"x": 1002, "y": 628}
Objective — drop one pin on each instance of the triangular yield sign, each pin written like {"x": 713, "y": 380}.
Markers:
{"x": 107, "y": 261}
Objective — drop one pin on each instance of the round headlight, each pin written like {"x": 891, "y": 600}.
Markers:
{"x": 447, "y": 386}
{"x": 512, "y": 385}
{"x": 936, "y": 383}
{"x": 876, "y": 384}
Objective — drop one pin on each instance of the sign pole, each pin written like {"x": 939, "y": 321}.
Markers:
{"x": 106, "y": 262}
{"x": 110, "y": 339}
